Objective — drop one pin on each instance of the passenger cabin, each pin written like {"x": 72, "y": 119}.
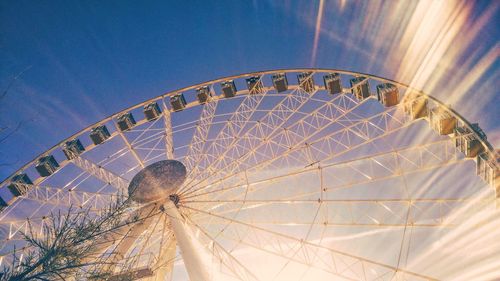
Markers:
{"x": 487, "y": 169}
{"x": 467, "y": 142}
{"x": 416, "y": 106}
{"x": 152, "y": 111}
{"x": 360, "y": 87}
{"x": 203, "y": 94}
{"x": 280, "y": 82}
{"x": 126, "y": 121}
{"x": 306, "y": 81}
{"x": 228, "y": 89}
{"x": 73, "y": 148}
{"x": 19, "y": 184}
{"x": 442, "y": 121}
{"x": 99, "y": 134}
{"x": 388, "y": 94}
{"x": 332, "y": 83}
{"x": 178, "y": 102}
{"x": 46, "y": 165}
{"x": 255, "y": 85}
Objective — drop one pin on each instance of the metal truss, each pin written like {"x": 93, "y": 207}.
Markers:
{"x": 289, "y": 143}
{"x": 227, "y": 260}
{"x": 378, "y": 166}
{"x": 234, "y": 143}
{"x": 331, "y": 144}
{"x": 195, "y": 154}
{"x": 169, "y": 142}
{"x": 310, "y": 253}
{"x": 235, "y": 124}
{"x": 93, "y": 201}
{"x": 129, "y": 146}
{"x": 101, "y": 173}
{"x": 375, "y": 212}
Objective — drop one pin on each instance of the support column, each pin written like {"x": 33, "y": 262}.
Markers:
{"x": 191, "y": 253}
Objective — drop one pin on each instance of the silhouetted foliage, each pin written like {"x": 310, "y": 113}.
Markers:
{"x": 69, "y": 245}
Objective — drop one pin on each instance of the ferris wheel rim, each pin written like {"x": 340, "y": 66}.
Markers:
{"x": 239, "y": 93}
{"x": 484, "y": 142}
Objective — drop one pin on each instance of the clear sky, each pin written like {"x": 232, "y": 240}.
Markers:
{"x": 67, "y": 64}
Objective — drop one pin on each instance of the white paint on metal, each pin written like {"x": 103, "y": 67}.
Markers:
{"x": 192, "y": 255}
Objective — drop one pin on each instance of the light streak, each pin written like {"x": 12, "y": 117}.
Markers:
{"x": 317, "y": 32}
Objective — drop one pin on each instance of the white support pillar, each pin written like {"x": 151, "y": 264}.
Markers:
{"x": 191, "y": 254}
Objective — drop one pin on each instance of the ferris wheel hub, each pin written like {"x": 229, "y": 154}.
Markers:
{"x": 157, "y": 181}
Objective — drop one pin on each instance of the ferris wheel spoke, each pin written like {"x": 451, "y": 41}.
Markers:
{"x": 143, "y": 229}
{"x": 163, "y": 266}
{"x": 128, "y": 145}
{"x": 269, "y": 130}
{"x": 150, "y": 138}
{"x": 274, "y": 118}
{"x": 149, "y": 129}
{"x": 376, "y": 168}
{"x": 219, "y": 118}
{"x": 261, "y": 238}
{"x": 326, "y": 147}
{"x": 121, "y": 233}
{"x": 380, "y": 213}
{"x": 13, "y": 258}
{"x": 225, "y": 257}
{"x": 13, "y": 230}
{"x": 131, "y": 248}
{"x": 196, "y": 146}
{"x": 231, "y": 129}
{"x": 298, "y": 133}
{"x": 151, "y": 150}
{"x": 94, "y": 201}
{"x": 357, "y": 135}
{"x": 101, "y": 173}
{"x": 289, "y": 258}
{"x": 64, "y": 197}
{"x": 366, "y": 169}
{"x": 169, "y": 142}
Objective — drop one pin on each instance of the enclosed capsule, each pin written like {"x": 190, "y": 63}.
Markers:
{"x": 19, "y": 184}
{"x": 178, "y": 102}
{"x": 228, "y": 88}
{"x": 73, "y": 148}
{"x": 332, "y": 83}
{"x": 467, "y": 142}
{"x": 126, "y": 121}
{"x": 306, "y": 81}
{"x": 360, "y": 87}
{"x": 388, "y": 94}
{"x": 488, "y": 168}
{"x": 46, "y": 165}
{"x": 152, "y": 111}
{"x": 280, "y": 82}
{"x": 255, "y": 85}
{"x": 99, "y": 134}
{"x": 416, "y": 106}
{"x": 203, "y": 94}
{"x": 442, "y": 121}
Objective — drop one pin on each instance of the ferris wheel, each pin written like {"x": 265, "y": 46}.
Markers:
{"x": 297, "y": 174}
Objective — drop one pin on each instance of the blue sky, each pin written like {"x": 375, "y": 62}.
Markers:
{"x": 81, "y": 61}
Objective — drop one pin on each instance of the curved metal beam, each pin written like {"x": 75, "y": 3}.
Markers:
{"x": 466, "y": 123}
